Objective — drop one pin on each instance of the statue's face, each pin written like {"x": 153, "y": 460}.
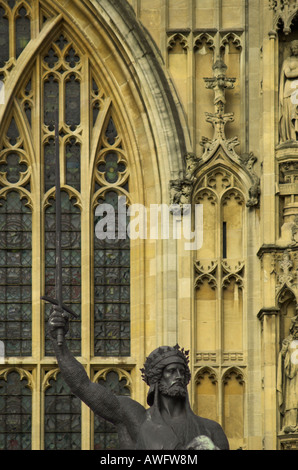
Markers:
{"x": 294, "y": 48}
{"x": 172, "y": 382}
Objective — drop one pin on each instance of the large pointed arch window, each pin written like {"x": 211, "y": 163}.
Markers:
{"x": 94, "y": 166}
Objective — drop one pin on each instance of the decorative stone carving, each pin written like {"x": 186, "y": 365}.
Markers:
{"x": 206, "y": 371}
{"x": 286, "y": 278}
{"x": 206, "y": 273}
{"x": 295, "y": 231}
{"x": 288, "y": 192}
{"x": 237, "y": 373}
{"x": 234, "y": 38}
{"x": 219, "y": 83}
{"x": 202, "y": 356}
{"x": 180, "y": 195}
{"x": 180, "y": 38}
{"x": 288, "y": 124}
{"x": 288, "y": 442}
{"x": 181, "y": 189}
{"x": 233, "y": 357}
{"x": 202, "y": 38}
{"x": 287, "y": 380}
{"x": 285, "y": 11}
{"x": 247, "y": 161}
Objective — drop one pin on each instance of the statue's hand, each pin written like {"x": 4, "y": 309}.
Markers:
{"x": 58, "y": 322}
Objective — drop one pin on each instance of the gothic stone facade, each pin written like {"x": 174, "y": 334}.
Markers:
{"x": 163, "y": 102}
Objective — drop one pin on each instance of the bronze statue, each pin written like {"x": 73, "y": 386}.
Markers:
{"x": 168, "y": 423}
{"x": 287, "y": 379}
{"x": 288, "y": 97}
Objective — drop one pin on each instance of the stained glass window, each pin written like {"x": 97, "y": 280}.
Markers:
{"x": 73, "y": 164}
{"x": 15, "y": 275}
{"x": 60, "y": 77}
{"x": 18, "y": 20}
{"x": 49, "y": 164}
{"x": 71, "y": 265}
{"x": 15, "y": 413}
{"x": 4, "y": 37}
{"x": 13, "y": 167}
{"x": 51, "y": 100}
{"x": 23, "y": 30}
{"x": 111, "y": 167}
{"x": 72, "y": 102}
{"x": 112, "y": 291}
{"x": 105, "y": 435}
{"x": 62, "y": 417}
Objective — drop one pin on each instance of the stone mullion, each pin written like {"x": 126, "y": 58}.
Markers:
{"x": 86, "y": 236}
{"x": 220, "y": 320}
{"x": 269, "y": 317}
{"x": 36, "y": 409}
{"x": 191, "y": 78}
{"x": 270, "y": 82}
{"x": 164, "y": 19}
{"x": 37, "y": 262}
{"x": 12, "y": 29}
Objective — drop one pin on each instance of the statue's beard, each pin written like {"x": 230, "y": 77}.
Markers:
{"x": 178, "y": 389}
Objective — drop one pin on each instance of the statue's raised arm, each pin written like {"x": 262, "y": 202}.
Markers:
{"x": 94, "y": 395}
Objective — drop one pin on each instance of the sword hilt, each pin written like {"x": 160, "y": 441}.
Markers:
{"x": 63, "y": 306}
{"x": 60, "y": 331}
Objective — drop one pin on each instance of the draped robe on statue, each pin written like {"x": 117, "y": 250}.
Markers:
{"x": 287, "y": 382}
{"x": 288, "y": 101}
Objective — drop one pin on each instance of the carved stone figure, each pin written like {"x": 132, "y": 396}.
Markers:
{"x": 287, "y": 380}
{"x": 168, "y": 423}
{"x": 288, "y": 101}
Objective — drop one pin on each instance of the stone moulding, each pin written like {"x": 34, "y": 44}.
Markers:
{"x": 288, "y": 442}
{"x": 284, "y": 12}
{"x": 165, "y": 114}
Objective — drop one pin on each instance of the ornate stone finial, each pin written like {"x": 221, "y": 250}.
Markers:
{"x": 219, "y": 84}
